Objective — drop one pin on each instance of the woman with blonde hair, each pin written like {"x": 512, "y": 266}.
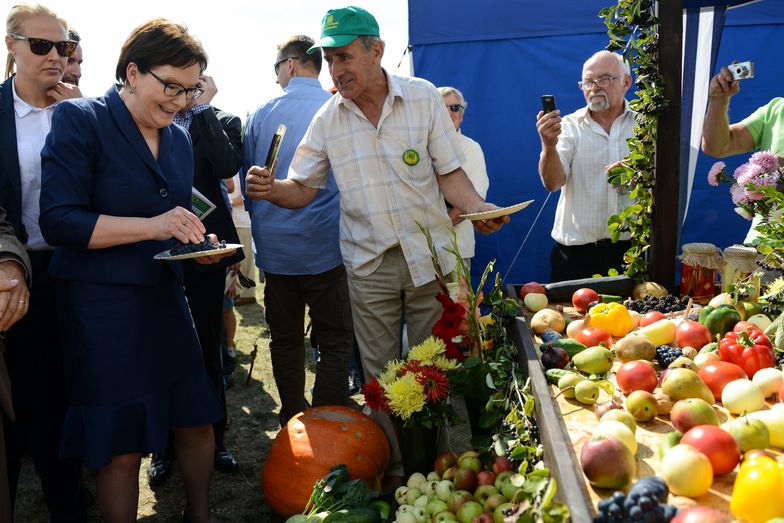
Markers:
{"x": 116, "y": 190}
{"x": 38, "y": 50}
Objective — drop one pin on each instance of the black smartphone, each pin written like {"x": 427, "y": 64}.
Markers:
{"x": 548, "y": 103}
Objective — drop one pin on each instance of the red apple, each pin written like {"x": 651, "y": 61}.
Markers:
{"x": 717, "y": 444}
{"x": 608, "y": 463}
{"x": 457, "y": 499}
{"x": 692, "y": 334}
{"x": 781, "y": 393}
{"x": 501, "y": 464}
{"x": 444, "y": 461}
{"x": 485, "y": 477}
{"x": 449, "y": 473}
{"x": 532, "y": 286}
{"x": 484, "y": 517}
{"x": 701, "y": 514}
{"x": 716, "y": 374}
{"x": 636, "y": 375}
{"x": 582, "y": 298}
{"x": 465, "y": 479}
{"x": 651, "y": 317}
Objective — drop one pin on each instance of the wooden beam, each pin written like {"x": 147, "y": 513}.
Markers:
{"x": 666, "y": 220}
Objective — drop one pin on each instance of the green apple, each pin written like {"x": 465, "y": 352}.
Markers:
{"x": 749, "y": 433}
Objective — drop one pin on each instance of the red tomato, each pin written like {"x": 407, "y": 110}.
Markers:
{"x": 582, "y": 298}
{"x": 651, "y": 317}
{"x": 716, "y": 374}
{"x": 717, "y": 444}
{"x": 636, "y": 375}
{"x": 593, "y": 336}
{"x": 742, "y": 325}
{"x": 692, "y": 334}
{"x": 702, "y": 514}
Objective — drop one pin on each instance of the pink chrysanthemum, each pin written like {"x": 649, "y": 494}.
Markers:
{"x": 713, "y": 174}
{"x": 738, "y": 194}
{"x": 766, "y": 160}
{"x": 747, "y": 172}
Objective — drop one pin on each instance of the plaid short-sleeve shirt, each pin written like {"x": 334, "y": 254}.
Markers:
{"x": 386, "y": 175}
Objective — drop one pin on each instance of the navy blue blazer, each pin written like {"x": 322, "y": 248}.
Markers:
{"x": 10, "y": 178}
{"x": 95, "y": 161}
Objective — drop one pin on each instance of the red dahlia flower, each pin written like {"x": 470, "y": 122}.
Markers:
{"x": 435, "y": 382}
{"x": 374, "y": 395}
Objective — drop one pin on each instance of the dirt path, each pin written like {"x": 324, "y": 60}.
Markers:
{"x": 253, "y": 409}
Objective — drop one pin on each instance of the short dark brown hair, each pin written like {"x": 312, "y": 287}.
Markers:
{"x": 160, "y": 42}
{"x": 298, "y": 46}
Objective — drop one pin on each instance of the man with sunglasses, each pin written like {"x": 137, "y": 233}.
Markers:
{"x": 474, "y": 167}
{"x": 299, "y": 249}
{"x": 69, "y": 86}
{"x": 577, "y": 153}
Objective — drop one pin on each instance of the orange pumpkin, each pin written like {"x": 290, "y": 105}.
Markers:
{"x": 310, "y": 444}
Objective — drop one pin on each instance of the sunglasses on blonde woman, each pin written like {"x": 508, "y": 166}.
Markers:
{"x": 41, "y": 47}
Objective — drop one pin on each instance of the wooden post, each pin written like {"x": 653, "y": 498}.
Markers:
{"x": 666, "y": 220}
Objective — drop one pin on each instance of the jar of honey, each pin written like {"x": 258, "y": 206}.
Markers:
{"x": 699, "y": 265}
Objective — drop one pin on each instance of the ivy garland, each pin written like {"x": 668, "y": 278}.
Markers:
{"x": 633, "y": 29}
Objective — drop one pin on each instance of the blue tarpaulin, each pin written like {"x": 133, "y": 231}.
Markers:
{"x": 504, "y": 54}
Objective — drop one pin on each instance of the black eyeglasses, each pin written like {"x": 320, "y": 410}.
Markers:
{"x": 42, "y": 47}
{"x": 455, "y": 108}
{"x": 604, "y": 81}
{"x": 174, "y": 90}
{"x": 277, "y": 64}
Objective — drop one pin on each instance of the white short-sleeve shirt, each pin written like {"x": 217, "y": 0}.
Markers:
{"x": 587, "y": 200}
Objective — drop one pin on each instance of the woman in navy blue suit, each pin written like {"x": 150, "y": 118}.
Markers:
{"x": 116, "y": 189}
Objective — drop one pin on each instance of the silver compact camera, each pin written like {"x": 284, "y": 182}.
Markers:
{"x": 742, "y": 70}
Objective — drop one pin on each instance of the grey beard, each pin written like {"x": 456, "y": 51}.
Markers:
{"x": 598, "y": 103}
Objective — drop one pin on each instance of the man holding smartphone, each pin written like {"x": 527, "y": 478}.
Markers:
{"x": 762, "y": 130}
{"x": 578, "y": 150}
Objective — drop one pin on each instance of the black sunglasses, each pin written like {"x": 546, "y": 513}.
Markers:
{"x": 42, "y": 47}
{"x": 277, "y": 64}
{"x": 455, "y": 108}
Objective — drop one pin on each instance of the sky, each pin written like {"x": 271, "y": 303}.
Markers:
{"x": 240, "y": 37}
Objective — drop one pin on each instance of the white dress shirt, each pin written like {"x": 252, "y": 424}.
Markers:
{"x": 587, "y": 200}
{"x": 32, "y": 126}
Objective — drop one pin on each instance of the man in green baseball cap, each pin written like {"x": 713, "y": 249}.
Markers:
{"x": 342, "y": 26}
{"x": 389, "y": 145}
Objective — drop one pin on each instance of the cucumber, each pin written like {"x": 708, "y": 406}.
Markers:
{"x": 615, "y": 285}
{"x": 354, "y": 515}
{"x": 572, "y": 347}
{"x": 607, "y": 298}
{"x": 553, "y": 375}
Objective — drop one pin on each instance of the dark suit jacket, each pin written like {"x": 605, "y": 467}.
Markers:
{"x": 10, "y": 179}
{"x": 95, "y": 161}
{"x": 217, "y": 154}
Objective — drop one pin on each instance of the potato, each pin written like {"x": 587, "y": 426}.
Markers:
{"x": 547, "y": 319}
{"x": 632, "y": 347}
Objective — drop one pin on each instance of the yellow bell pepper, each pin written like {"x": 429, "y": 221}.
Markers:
{"x": 612, "y": 317}
{"x": 759, "y": 486}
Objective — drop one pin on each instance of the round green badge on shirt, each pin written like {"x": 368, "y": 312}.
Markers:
{"x": 411, "y": 157}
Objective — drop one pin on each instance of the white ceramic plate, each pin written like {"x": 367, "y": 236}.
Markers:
{"x": 166, "y": 256}
{"x": 496, "y": 213}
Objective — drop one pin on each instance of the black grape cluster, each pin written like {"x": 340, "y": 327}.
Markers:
{"x": 187, "y": 248}
{"x": 666, "y": 355}
{"x": 645, "y": 502}
{"x": 780, "y": 359}
{"x": 664, "y": 304}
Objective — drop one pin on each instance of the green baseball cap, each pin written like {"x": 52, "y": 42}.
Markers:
{"x": 342, "y": 26}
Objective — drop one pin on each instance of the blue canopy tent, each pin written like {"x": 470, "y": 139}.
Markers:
{"x": 504, "y": 54}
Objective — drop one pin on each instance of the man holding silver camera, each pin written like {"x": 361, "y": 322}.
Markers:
{"x": 577, "y": 153}
{"x": 763, "y": 129}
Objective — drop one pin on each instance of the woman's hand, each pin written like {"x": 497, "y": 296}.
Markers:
{"x": 178, "y": 223}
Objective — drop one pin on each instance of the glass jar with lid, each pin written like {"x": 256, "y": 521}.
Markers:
{"x": 699, "y": 264}
{"x": 739, "y": 265}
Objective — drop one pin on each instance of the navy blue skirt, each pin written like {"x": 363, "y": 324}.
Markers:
{"x": 134, "y": 369}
